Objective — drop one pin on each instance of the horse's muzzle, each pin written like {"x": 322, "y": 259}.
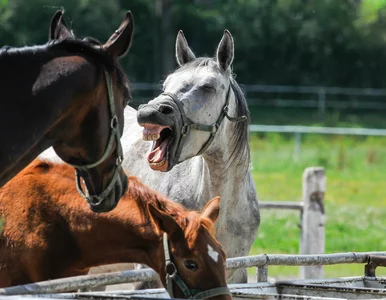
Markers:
{"x": 160, "y": 114}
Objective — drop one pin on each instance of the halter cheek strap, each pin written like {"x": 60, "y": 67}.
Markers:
{"x": 188, "y": 125}
{"x": 114, "y": 135}
{"x": 172, "y": 276}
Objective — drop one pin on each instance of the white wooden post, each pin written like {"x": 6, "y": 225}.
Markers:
{"x": 313, "y": 232}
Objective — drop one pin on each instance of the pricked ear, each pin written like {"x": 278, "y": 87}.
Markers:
{"x": 58, "y": 27}
{"x": 183, "y": 52}
{"x": 212, "y": 209}
{"x": 120, "y": 41}
{"x": 225, "y": 51}
{"x": 164, "y": 221}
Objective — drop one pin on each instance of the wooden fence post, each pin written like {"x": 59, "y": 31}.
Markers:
{"x": 313, "y": 233}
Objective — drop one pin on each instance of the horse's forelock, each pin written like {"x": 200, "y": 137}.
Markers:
{"x": 194, "y": 221}
{"x": 199, "y": 62}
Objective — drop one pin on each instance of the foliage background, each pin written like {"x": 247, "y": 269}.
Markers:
{"x": 298, "y": 42}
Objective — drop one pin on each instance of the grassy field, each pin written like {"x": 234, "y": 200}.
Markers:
{"x": 355, "y": 197}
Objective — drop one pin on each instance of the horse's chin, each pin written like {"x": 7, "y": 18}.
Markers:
{"x": 162, "y": 166}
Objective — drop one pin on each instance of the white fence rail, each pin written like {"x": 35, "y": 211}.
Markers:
{"x": 261, "y": 262}
{"x": 318, "y": 130}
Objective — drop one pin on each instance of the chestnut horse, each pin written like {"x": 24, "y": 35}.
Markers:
{"x": 50, "y": 233}
{"x": 69, "y": 94}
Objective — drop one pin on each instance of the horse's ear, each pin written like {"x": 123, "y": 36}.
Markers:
{"x": 58, "y": 27}
{"x": 120, "y": 41}
{"x": 212, "y": 209}
{"x": 164, "y": 221}
{"x": 225, "y": 51}
{"x": 183, "y": 52}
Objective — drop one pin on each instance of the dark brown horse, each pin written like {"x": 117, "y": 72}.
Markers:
{"x": 69, "y": 94}
{"x": 50, "y": 233}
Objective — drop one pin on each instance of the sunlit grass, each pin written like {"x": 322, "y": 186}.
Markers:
{"x": 355, "y": 197}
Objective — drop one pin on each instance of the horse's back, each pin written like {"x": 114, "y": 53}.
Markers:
{"x": 35, "y": 186}
{"x": 33, "y": 210}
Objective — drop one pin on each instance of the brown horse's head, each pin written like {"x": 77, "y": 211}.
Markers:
{"x": 191, "y": 255}
{"x": 93, "y": 146}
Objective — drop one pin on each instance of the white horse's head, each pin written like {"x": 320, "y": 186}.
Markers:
{"x": 183, "y": 120}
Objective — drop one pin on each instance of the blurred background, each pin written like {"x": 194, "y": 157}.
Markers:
{"x": 300, "y": 62}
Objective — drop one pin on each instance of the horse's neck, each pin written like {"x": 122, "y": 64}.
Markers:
{"x": 31, "y": 114}
{"x": 123, "y": 235}
{"x": 217, "y": 168}
{"x": 22, "y": 116}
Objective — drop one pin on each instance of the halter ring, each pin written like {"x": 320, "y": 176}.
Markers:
{"x": 174, "y": 269}
{"x": 114, "y": 122}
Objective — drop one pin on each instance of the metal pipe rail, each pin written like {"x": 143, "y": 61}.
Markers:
{"x": 319, "y": 130}
{"x": 281, "y": 205}
{"x": 259, "y": 261}
{"x": 299, "y": 259}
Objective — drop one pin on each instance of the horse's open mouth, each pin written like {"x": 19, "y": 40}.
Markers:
{"x": 161, "y": 137}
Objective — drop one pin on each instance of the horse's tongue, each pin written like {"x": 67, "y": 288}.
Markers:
{"x": 158, "y": 153}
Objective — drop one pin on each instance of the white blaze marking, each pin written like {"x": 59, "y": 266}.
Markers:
{"x": 212, "y": 253}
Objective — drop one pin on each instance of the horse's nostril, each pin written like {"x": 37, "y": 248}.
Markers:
{"x": 165, "y": 109}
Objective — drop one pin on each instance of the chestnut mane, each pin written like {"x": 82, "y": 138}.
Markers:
{"x": 189, "y": 221}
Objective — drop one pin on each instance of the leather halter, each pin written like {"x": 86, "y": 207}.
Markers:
{"x": 114, "y": 134}
{"x": 172, "y": 276}
{"x": 188, "y": 124}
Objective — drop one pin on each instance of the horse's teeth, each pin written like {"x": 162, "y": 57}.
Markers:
{"x": 159, "y": 164}
{"x": 150, "y": 137}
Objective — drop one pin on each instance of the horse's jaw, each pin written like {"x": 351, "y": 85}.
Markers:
{"x": 162, "y": 166}
{"x": 161, "y": 136}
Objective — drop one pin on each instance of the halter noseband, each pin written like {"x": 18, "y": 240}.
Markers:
{"x": 114, "y": 134}
{"x": 171, "y": 275}
{"x": 188, "y": 125}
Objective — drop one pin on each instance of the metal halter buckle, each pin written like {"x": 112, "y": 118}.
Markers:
{"x": 185, "y": 129}
{"x": 215, "y": 127}
{"x": 170, "y": 269}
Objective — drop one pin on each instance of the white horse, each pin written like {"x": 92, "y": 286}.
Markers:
{"x": 192, "y": 144}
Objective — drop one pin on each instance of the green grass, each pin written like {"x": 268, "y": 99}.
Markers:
{"x": 332, "y": 118}
{"x": 355, "y": 195}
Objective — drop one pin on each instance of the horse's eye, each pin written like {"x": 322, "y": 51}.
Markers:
{"x": 190, "y": 264}
{"x": 208, "y": 88}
